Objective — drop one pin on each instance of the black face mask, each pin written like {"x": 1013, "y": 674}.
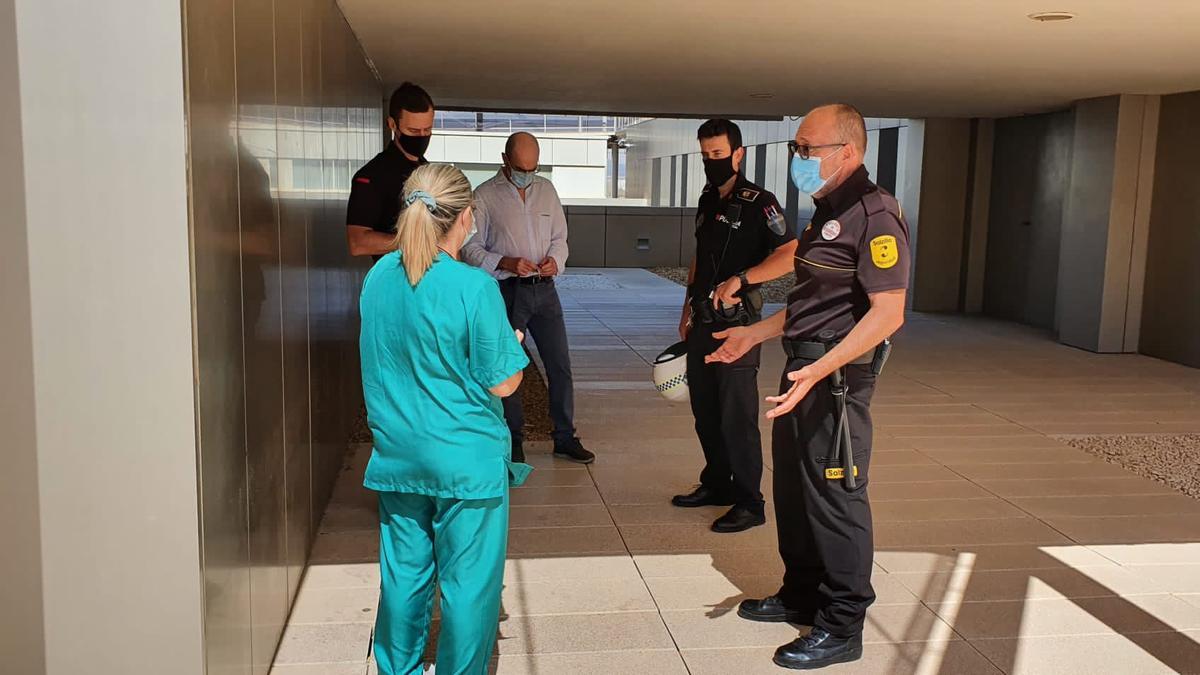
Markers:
{"x": 413, "y": 145}
{"x": 718, "y": 171}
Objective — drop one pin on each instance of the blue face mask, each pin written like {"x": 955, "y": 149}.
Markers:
{"x": 522, "y": 179}
{"x": 806, "y": 174}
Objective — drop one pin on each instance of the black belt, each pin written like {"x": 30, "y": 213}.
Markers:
{"x": 810, "y": 350}
{"x": 530, "y": 280}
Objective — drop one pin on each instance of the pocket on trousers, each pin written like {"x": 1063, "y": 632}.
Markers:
{"x": 517, "y": 473}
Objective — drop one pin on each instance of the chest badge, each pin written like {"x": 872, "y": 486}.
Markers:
{"x": 830, "y": 230}
{"x": 884, "y": 252}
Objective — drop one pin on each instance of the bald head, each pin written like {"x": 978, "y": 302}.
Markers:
{"x": 840, "y": 123}
{"x": 522, "y": 152}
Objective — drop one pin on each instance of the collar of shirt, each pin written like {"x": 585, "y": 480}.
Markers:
{"x": 714, "y": 194}
{"x": 844, "y": 195}
{"x": 395, "y": 154}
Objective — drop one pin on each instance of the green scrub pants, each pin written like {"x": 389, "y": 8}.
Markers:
{"x": 459, "y": 542}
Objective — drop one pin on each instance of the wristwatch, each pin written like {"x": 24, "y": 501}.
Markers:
{"x": 742, "y": 278}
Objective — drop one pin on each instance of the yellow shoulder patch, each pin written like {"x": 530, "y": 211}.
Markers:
{"x": 884, "y": 252}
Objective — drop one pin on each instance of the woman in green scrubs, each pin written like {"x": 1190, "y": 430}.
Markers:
{"x": 438, "y": 353}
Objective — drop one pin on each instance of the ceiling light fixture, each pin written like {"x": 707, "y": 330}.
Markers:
{"x": 1043, "y": 17}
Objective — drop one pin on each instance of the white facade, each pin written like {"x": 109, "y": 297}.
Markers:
{"x": 577, "y": 163}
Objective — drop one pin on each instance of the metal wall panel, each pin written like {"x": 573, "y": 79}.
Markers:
{"x": 282, "y": 109}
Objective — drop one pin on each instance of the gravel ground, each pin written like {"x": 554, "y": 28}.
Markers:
{"x": 1173, "y": 461}
{"x": 537, "y": 410}
{"x": 773, "y": 291}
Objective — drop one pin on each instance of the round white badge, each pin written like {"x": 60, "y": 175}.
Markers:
{"x": 831, "y": 230}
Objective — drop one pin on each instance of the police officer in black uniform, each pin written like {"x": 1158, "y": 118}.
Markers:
{"x": 852, "y": 266}
{"x": 742, "y": 241}
{"x": 375, "y": 190}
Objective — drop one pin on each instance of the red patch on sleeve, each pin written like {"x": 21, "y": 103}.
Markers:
{"x": 364, "y": 181}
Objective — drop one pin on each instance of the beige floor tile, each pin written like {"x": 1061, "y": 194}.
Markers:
{"x": 1093, "y": 469}
{"x": 1027, "y": 441}
{"x": 716, "y": 593}
{"x": 551, "y": 568}
{"x": 351, "y": 668}
{"x": 324, "y": 643}
{"x": 1131, "y": 505}
{"x": 1178, "y": 578}
{"x": 543, "y": 478}
{"x": 986, "y": 557}
{"x": 693, "y": 538}
{"x": 1092, "y": 654}
{"x": 656, "y": 662}
{"x": 1079, "y": 487}
{"x": 900, "y": 458}
{"x": 345, "y": 547}
{"x": 933, "y": 490}
{"x": 910, "y": 658}
{"x": 558, "y": 516}
{"x": 1053, "y": 461}
{"x": 753, "y": 562}
{"x": 350, "y": 518}
{"x": 962, "y": 431}
{"x": 1129, "y": 529}
{"x": 1149, "y": 553}
{"x": 335, "y": 605}
{"x": 943, "y": 509}
{"x": 665, "y": 513}
{"x": 584, "y": 595}
{"x": 555, "y": 496}
{"x": 1075, "y": 616}
{"x": 966, "y": 533}
{"x": 625, "y": 631}
{"x": 986, "y": 585}
{"x": 884, "y": 475}
{"x": 537, "y": 542}
{"x": 1192, "y": 599}
{"x": 352, "y": 575}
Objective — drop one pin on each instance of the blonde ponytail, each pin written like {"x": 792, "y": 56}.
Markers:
{"x": 433, "y": 198}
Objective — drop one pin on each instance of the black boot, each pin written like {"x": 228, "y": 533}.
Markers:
{"x": 772, "y": 610}
{"x": 573, "y": 451}
{"x": 702, "y": 496}
{"x": 518, "y": 452}
{"x": 817, "y": 650}
{"x": 739, "y": 519}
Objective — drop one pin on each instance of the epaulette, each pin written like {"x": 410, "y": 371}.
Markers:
{"x": 748, "y": 195}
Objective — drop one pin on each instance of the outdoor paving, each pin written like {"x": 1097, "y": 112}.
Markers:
{"x": 1000, "y": 548}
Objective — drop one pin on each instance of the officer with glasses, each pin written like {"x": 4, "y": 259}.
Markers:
{"x": 852, "y": 266}
{"x": 522, "y": 241}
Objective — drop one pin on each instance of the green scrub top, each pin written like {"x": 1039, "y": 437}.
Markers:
{"x": 429, "y": 355}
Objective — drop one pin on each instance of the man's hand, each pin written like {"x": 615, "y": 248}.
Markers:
{"x": 518, "y": 266}
{"x": 548, "y": 268}
{"x": 520, "y": 335}
{"x": 685, "y": 322}
{"x": 737, "y": 341}
{"x": 802, "y": 381}
{"x": 725, "y": 294}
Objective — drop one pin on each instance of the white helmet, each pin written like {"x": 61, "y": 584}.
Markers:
{"x": 670, "y": 373}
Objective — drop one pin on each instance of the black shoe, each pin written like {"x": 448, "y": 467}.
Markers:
{"x": 817, "y": 650}
{"x": 573, "y": 451}
{"x": 702, "y": 496}
{"x": 518, "y": 452}
{"x": 739, "y": 519}
{"x": 772, "y": 610}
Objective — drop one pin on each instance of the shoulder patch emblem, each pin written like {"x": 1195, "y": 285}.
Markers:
{"x": 884, "y": 252}
{"x": 747, "y": 195}
{"x": 830, "y": 230}
{"x": 775, "y": 220}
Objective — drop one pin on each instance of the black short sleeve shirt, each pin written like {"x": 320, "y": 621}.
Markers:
{"x": 735, "y": 234}
{"x": 856, "y": 245}
{"x": 376, "y": 189}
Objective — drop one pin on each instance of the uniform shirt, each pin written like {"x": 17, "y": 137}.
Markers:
{"x": 376, "y": 188}
{"x": 856, "y": 244}
{"x": 429, "y": 356}
{"x": 534, "y": 228}
{"x": 752, "y": 223}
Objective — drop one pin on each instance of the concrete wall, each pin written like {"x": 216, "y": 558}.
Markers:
{"x": 1030, "y": 173}
{"x": 622, "y": 236}
{"x": 99, "y": 478}
{"x": 943, "y": 216}
{"x": 275, "y": 297}
{"x": 1170, "y": 321}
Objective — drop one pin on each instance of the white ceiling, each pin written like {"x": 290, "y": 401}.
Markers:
{"x": 892, "y": 58}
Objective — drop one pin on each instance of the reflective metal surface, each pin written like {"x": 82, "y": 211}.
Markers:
{"x": 282, "y": 109}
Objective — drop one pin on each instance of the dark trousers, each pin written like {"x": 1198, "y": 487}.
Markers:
{"x": 725, "y": 404}
{"x": 535, "y": 310}
{"x": 825, "y": 536}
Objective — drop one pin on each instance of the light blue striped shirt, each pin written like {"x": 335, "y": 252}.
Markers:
{"x": 534, "y": 228}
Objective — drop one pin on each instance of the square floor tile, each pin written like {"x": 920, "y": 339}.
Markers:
{"x": 952, "y": 658}
{"x": 656, "y": 662}
{"x": 620, "y": 631}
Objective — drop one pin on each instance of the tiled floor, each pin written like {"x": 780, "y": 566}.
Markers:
{"x": 1000, "y": 548}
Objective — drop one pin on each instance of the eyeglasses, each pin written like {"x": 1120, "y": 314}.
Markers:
{"x": 805, "y": 150}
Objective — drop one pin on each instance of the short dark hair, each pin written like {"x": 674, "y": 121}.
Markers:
{"x": 720, "y": 127}
{"x": 410, "y": 97}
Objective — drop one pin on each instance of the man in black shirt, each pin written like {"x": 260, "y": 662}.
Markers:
{"x": 742, "y": 240}
{"x": 852, "y": 267}
{"x": 375, "y": 191}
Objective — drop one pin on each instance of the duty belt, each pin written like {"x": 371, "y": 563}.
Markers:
{"x": 811, "y": 350}
{"x": 532, "y": 279}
